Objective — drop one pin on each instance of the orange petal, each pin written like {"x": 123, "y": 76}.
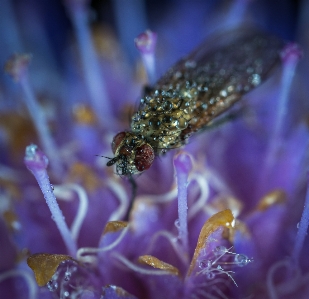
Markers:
{"x": 221, "y": 219}
{"x": 44, "y": 266}
{"x": 84, "y": 115}
{"x": 114, "y": 226}
{"x": 272, "y": 198}
{"x": 157, "y": 264}
{"x": 85, "y": 175}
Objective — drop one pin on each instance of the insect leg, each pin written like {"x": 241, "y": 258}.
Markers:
{"x": 133, "y": 195}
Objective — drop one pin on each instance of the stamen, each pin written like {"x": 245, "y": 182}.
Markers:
{"x": 131, "y": 20}
{"x": 302, "y": 230}
{"x": 17, "y": 67}
{"x": 37, "y": 162}
{"x": 162, "y": 198}
{"x": 121, "y": 194}
{"x": 146, "y": 44}
{"x": 290, "y": 56}
{"x": 183, "y": 165}
{"x": 93, "y": 74}
{"x": 272, "y": 292}
{"x": 91, "y": 250}
{"x": 32, "y": 286}
{"x": 11, "y": 38}
{"x": 204, "y": 194}
{"x": 173, "y": 242}
{"x": 60, "y": 191}
{"x": 138, "y": 269}
{"x": 237, "y": 13}
{"x": 8, "y": 173}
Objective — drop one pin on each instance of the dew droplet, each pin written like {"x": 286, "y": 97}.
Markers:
{"x": 210, "y": 275}
{"x": 67, "y": 275}
{"x": 52, "y": 285}
{"x": 241, "y": 260}
{"x": 66, "y": 294}
{"x": 205, "y": 264}
{"x": 177, "y": 223}
{"x": 219, "y": 250}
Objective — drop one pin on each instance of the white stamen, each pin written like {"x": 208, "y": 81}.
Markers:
{"x": 60, "y": 191}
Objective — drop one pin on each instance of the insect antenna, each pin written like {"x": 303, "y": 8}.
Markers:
{"x": 104, "y": 157}
{"x": 111, "y": 161}
{"x": 133, "y": 195}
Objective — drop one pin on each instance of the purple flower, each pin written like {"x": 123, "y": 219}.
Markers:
{"x": 225, "y": 216}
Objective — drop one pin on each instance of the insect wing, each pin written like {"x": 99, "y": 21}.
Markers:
{"x": 221, "y": 70}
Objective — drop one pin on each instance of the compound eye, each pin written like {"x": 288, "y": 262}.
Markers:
{"x": 144, "y": 157}
{"x": 117, "y": 140}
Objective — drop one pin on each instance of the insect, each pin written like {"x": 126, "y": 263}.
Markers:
{"x": 192, "y": 93}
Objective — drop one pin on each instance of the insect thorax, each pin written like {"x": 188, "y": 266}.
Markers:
{"x": 164, "y": 114}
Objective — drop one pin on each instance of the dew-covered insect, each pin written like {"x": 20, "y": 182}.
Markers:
{"x": 192, "y": 93}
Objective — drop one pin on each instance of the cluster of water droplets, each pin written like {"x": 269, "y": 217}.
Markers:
{"x": 67, "y": 281}
{"x": 221, "y": 261}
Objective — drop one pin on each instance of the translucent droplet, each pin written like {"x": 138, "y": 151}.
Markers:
{"x": 241, "y": 260}
{"x": 205, "y": 264}
{"x": 66, "y": 294}
{"x": 177, "y": 223}
{"x": 210, "y": 275}
{"x": 190, "y": 64}
{"x": 52, "y": 187}
{"x": 220, "y": 250}
{"x": 67, "y": 275}
{"x": 52, "y": 285}
{"x": 256, "y": 79}
{"x": 223, "y": 93}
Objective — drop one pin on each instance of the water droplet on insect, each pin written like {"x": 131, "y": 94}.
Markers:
{"x": 190, "y": 64}
{"x": 66, "y": 294}
{"x": 255, "y": 79}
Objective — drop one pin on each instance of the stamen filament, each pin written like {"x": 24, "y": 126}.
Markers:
{"x": 131, "y": 20}
{"x": 17, "y": 67}
{"x": 302, "y": 230}
{"x": 28, "y": 277}
{"x": 93, "y": 75}
{"x": 121, "y": 194}
{"x": 138, "y": 269}
{"x": 146, "y": 44}
{"x": 183, "y": 165}
{"x": 37, "y": 162}
{"x": 82, "y": 208}
{"x": 290, "y": 57}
